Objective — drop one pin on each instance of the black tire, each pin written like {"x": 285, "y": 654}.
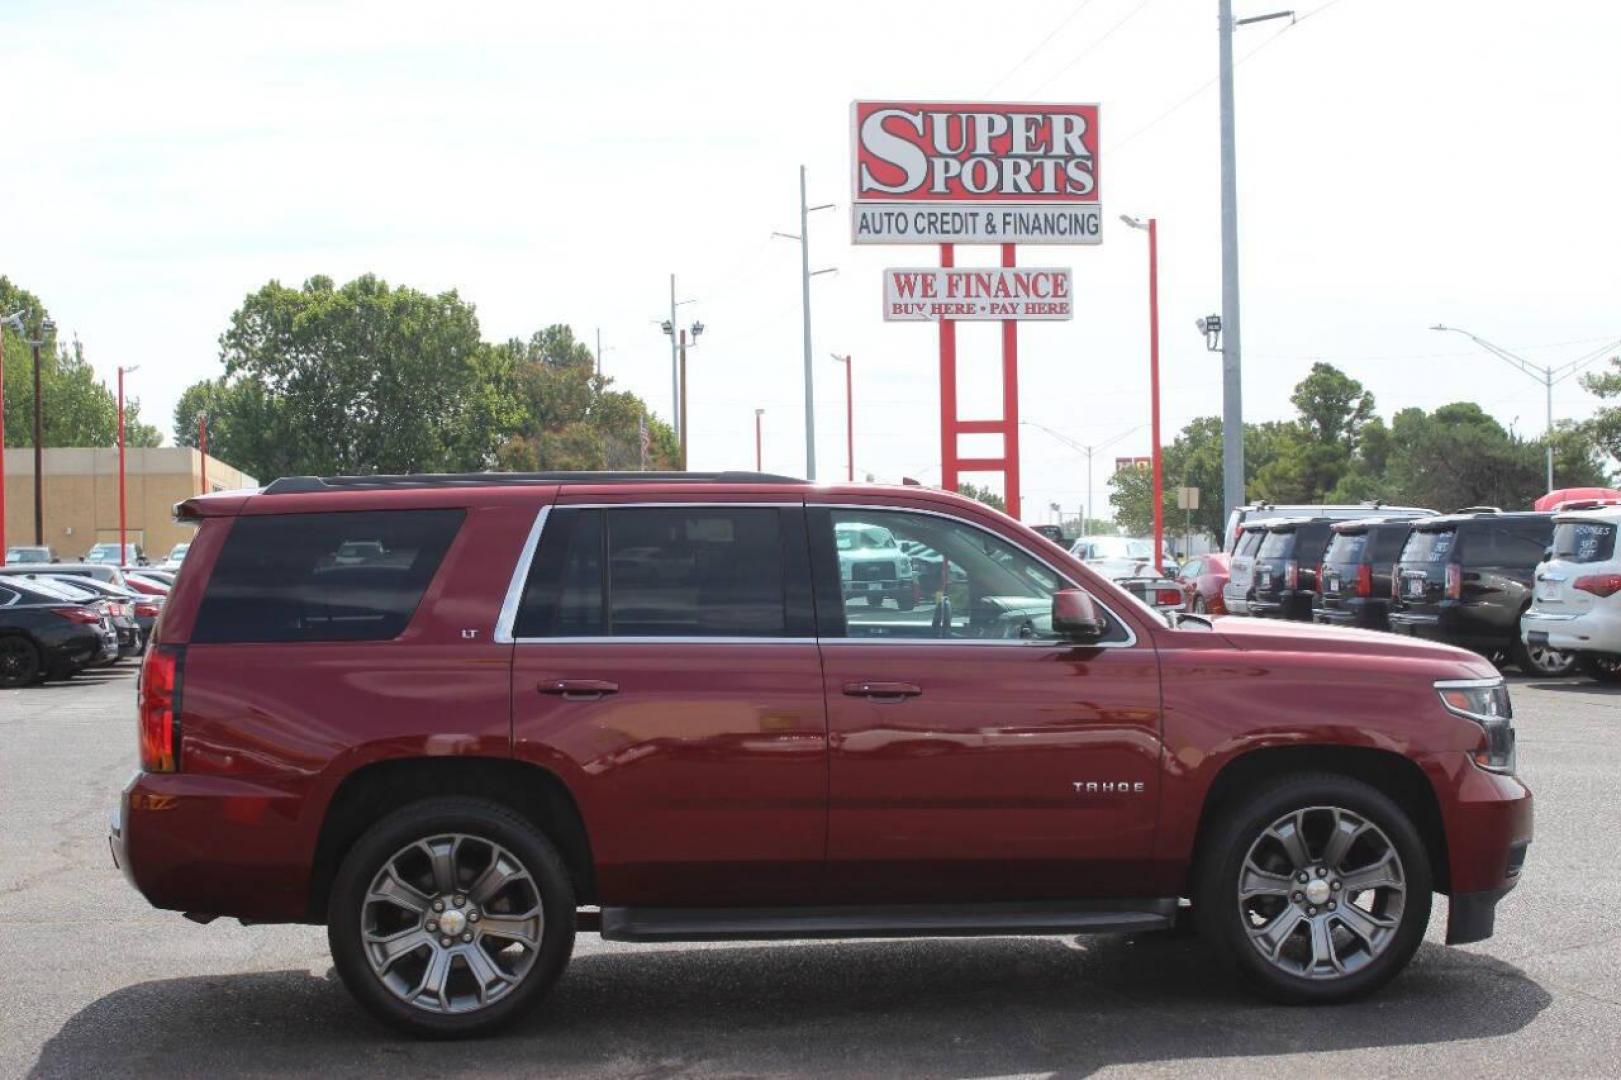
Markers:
{"x": 1524, "y": 660}
{"x": 906, "y": 599}
{"x": 482, "y": 819}
{"x": 1224, "y": 925}
{"x": 1199, "y": 606}
{"x": 875, "y": 599}
{"x": 1604, "y": 667}
{"x": 20, "y": 662}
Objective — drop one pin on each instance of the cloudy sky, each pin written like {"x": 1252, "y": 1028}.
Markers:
{"x": 1400, "y": 164}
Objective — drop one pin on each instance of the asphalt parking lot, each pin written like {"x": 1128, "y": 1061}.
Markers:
{"x": 96, "y": 983}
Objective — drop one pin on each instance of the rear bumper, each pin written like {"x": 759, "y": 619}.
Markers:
{"x": 1236, "y": 601}
{"x": 1294, "y": 605}
{"x": 212, "y": 845}
{"x": 1450, "y": 627}
{"x": 1592, "y": 631}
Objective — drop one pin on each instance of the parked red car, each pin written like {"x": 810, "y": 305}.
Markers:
{"x": 1202, "y": 578}
{"x": 458, "y": 719}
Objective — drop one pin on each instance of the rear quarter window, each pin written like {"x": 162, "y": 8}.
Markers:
{"x": 1505, "y": 545}
{"x": 344, "y": 576}
{"x": 1277, "y": 545}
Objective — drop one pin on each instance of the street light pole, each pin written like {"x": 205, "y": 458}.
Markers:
{"x": 1232, "y": 383}
{"x": 202, "y": 446}
{"x": 678, "y": 418}
{"x": 123, "y": 520}
{"x": 805, "y": 275}
{"x": 1088, "y": 511}
{"x": 15, "y": 321}
{"x": 758, "y": 441}
{"x": 683, "y": 399}
{"x": 1547, "y": 375}
{"x": 849, "y": 416}
{"x": 1153, "y": 381}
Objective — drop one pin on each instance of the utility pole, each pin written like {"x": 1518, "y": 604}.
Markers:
{"x": 599, "y": 352}
{"x": 805, "y": 275}
{"x": 1153, "y": 382}
{"x": 678, "y": 418}
{"x": 683, "y": 399}
{"x": 46, "y": 329}
{"x": 759, "y": 442}
{"x": 202, "y": 446}
{"x": 1232, "y": 367}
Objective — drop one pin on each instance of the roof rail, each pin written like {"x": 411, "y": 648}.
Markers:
{"x": 1478, "y": 510}
{"x": 303, "y": 485}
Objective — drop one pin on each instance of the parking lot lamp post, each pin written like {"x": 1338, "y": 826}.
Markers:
{"x": 123, "y": 521}
{"x": 202, "y": 446}
{"x": 1547, "y": 375}
{"x": 15, "y": 321}
{"x": 758, "y": 441}
{"x": 1152, "y": 228}
{"x": 849, "y": 416}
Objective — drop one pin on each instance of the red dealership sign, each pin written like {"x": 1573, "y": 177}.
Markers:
{"x": 929, "y": 294}
{"x": 930, "y": 173}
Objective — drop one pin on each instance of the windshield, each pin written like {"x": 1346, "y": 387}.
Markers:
{"x": 1583, "y": 541}
{"x": 27, "y": 555}
{"x": 1428, "y": 545}
{"x": 859, "y": 537}
{"x": 179, "y": 551}
{"x": 1346, "y": 548}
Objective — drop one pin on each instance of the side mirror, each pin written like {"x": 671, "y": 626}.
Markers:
{"x": 1076, "y": 617}
{"x": 1547, "y": 554}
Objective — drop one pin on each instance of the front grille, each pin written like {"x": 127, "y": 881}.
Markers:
{"x": 873, "y": 572}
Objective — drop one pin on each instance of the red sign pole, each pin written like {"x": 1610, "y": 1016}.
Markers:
{"x": 2, "y": 445}
{"x": 1010, "y": 401}
{"x": 948, "y": 388}
{"x": 123, "y": 539}
{"x": 850, "y": 418}
{"x": 1153, "y": 377}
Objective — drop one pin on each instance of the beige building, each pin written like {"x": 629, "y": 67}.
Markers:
{"x": 81, "y": 496}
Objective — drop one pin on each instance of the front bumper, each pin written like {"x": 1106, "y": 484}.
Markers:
{"x": 1488, "y": 821}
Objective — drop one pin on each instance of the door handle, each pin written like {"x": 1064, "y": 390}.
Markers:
{"x": 882, "y": 691}
{"x": 579, "y": 689}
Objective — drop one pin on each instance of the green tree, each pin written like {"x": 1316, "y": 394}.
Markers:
{"x": 983, "y": 494}
{"x": 354, "y": 379}
{"x": 1460, "y": 456}
{"x": 1604, "y": 428}
{"x": 79, "y": 410}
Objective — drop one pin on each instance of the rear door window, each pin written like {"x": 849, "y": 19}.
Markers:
{"x": 1584, "y": 541}
{"x": 668, "y": 572}
{"x": 1505, "y": 545}
{"x": 341, "y": 576}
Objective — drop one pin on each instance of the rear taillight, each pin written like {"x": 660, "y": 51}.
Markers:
{"x": 1364, "y": 580}
{"x": 82, "y": 615}
{"x": 1168, "y": 597}
{"x": 118, "y": 609}
{"x": 158, "y": 699}
{"x": 1454, "y": 581}
{"x": 1598, "y": 584}
{"x": 1291, "y": 574}
{"x": 145, "y": 609}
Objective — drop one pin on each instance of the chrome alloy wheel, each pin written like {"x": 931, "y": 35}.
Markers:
{"x": 1321, "y": 892}
{"x": 1546, "y": 661}
{"x": 452, "y": 923}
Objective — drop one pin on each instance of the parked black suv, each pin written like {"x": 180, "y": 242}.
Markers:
{"x": 1285, "y": 576}
{"x": 1466, "y": 579}
{"x": 1355, "y": 586}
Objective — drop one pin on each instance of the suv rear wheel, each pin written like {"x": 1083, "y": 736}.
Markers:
{"x": 19, "y": 662}
{"x": 1541, "y": 660}
{"x": 1317, "y": 889}
{"x": 1605, "y": 667}
{"x": 450, "y": 917}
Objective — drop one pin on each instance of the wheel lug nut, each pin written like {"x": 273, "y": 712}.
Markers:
{"x": 433, "y": 928}
{"x": 1335, "y": 886}
{"x": 467, "y": 937}
{"x": 460, "y": 900}
{"x": 1297, "y": 897}
{"x": 1321, "y": 872}
{"x": 445, "y": 942}
{"x": 1332, "y": 905}
{"x": 472, "y": 916}
{"x": 1311, "y": 911}
{"x": 1303, "y": 878}
{"x": 438, "y": 905}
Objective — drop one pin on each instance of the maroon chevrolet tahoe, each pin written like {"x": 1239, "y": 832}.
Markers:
{"x": 457, "y": 719}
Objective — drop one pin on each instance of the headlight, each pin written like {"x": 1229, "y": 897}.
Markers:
{"x": 1485, "y": 701}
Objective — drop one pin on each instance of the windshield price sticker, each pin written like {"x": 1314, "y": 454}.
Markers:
{"x": 932, "y": 294}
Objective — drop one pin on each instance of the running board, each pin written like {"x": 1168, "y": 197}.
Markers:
{"x": 888, "y": 921}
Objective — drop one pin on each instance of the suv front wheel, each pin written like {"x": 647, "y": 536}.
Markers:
{"x": 1315, "y": 890}
{"x": 450, "y": 917}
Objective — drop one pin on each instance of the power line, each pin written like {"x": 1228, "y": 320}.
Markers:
{"x": 1080, "y": 7}
{"x": 1084, "y": 53}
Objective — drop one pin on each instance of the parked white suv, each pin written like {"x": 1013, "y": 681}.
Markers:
{"x": 1577, "y": 602}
